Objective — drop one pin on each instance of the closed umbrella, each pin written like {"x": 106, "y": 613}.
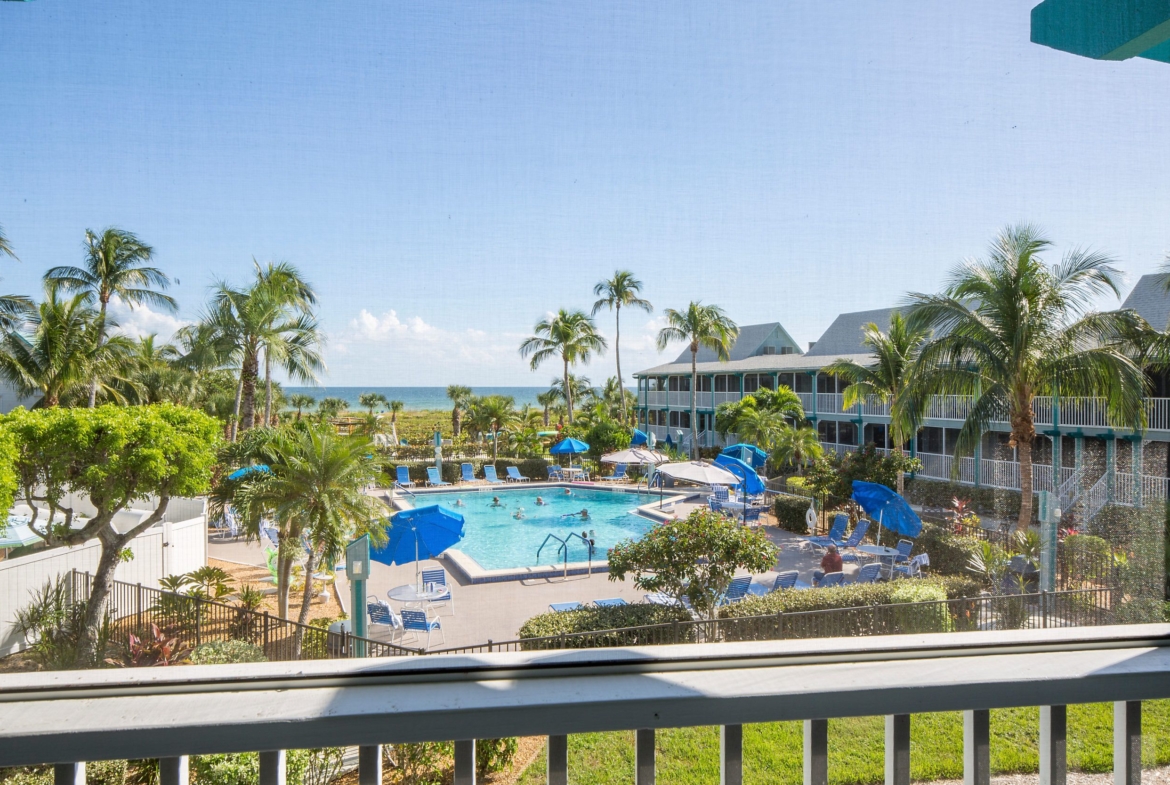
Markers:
{"x": 244, "y": 471}
{"x": 421, "y": 533}
{"x": 699, "y": 472}
{"x": 890, "y": 509}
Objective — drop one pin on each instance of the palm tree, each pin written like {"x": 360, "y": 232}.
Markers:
{"x": 5, "y": 247}
{"x": 115, "y": 266}
{"x": 887, "y": 378}
{"x": 758, "y": 426}
{"x": 370, "y": 400}
{"x": 300, "y": 402}
{"x": 459, "y": 396}
{"x": 572, "y": 336}
{"x": 797, "y": 447}
{"x": 579, "y": 389}
{"x": 329, "y": 408}
{"x": 494, "y": 413}
{"x": 14, "y": 308}
{"x": 547, "y": 400}
{"x": 1010, "y": 328}
{"x": 699, "y": 326}
{"x": 315, "y": 490}
{"x": 395, "y": 408}
{"x": 622, "y": 289}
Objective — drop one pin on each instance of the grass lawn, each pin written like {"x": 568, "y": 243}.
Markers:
{"x": 772, "y": 751}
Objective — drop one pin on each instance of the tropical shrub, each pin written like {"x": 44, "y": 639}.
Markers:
{"x": 244, "y": 768}
{"x": 833, "y": 475}
{"x": 938, "y": 494}
{"x": 790, "y": 513}
{"x": 492, "y": 755}
{"x": 949, "y": 553}
{"x": 55, "y": 627}
{"x": 851, "y": 595}
{"x": 420, "y": 764}
{"x": 606, "y": 436}
{"x": 98, "y": 772}
{"x": 226, "y": 653}
{"x": 593, "y": 619}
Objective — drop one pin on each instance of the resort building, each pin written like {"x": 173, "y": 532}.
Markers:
{"x": 1079, "y": 451}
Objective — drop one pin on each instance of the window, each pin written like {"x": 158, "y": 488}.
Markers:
{"x": 726, "y": 383}
{"x": 785, "y": 350}
{"x": 680, "y": 384}
{"x": 875, "y": 434}
{"x": 705, "y": 421}
{"x": 769, "y": 350}
{"x": 684, "y": 419}
{"x": 828, "y": 431}
{"x": 751, "y": 383}
{"x": 704, "y": 384}
{"x": 826, "y": 383}
{"x": 787, "y": 380}
{"x": 674, "y": 419}
{"x": 767, "y": 381}
{"x": 803, "y": 383}
{"x": 846, "y": 433}
{"x": 930, "y": 440}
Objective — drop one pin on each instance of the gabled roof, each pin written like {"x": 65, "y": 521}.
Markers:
{"x": 764, "y": 363}
{"x": 1150, "y": 300}
{"x": 844, "y": 334}
{"x": 751, "y": 338}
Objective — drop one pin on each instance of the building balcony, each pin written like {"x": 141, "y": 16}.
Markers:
{"x": 66, "y": 718}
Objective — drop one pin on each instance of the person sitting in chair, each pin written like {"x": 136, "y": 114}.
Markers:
{"x": 830, "y": 563}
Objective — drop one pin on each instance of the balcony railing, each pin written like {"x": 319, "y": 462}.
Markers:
{"x": 66, "y": 718}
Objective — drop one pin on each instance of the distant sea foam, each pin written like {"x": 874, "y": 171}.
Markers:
{"x": 416, "y": 398}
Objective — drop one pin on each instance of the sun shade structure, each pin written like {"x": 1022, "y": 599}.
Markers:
{"x": 699, "y": 472}
{"x": 887, "y": 508}
{"x": 569, "y": 446}
{"x": 17, "y": 534}
{"x": 1104, "y": 29}
{"x": 748, "y": 453}
{"x": 421, "y": 533}
{"x": 634, "y": 457}
{"x": 244, "y": 471}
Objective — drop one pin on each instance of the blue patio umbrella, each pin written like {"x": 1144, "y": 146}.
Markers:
{"x": 891, "y": 510}
{"x": 742, "y": 451}
{"x": 569, "y": 446}
{"x": 421, "y": 533}
{"x": 638, "y": 439}
{"x": 750, "y": 482}
{"x": 244, "y": 471}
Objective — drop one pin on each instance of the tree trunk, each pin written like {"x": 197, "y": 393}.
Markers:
{"x": 694, "y": 401}
{"x": 394, "y": 428}
{"x": 568, "y": 393}
{"x": 901, "y": 474}
{"x": 267, "y": 389}
{"x": 456, "y": 422}
{"x": 112, "y": 546}
{"x": 283, "y": 575}
{"x": 617, "y": 353}
{"x": 93, "y": 383}
{"x": 236, "y": 413}
{"x": 546, "y": 415}
{"x": 248, "y": 406}
{"x": 306, "y": 602}
{"x": 1025, "y": 451}
{"x": 495, "y": 443}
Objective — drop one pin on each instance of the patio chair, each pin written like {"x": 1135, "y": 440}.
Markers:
{"x": 580, "y": 472}
{"x": 468, "y": 472}
{"x": 661, "y": 598}
{"x": 751, "y": 515}
{"x": 720, "y": 494}
{"x": 855, "y": 538}
{"x": 554, "y": 473}
{"x": 736, "y": 590}
{"x": 565, "y": 607}
{"x": 382, "y": 615}
{"x": 414, "y": 621}
{"x": 904, "y": 548}
{"x": 514, "y": 475}
{"x": 433, "y": 477}
{"x": 438, "y": 578}
{"x": 869, "y": 573}
{"x": 912, "y": 568}
{"x": 714, "y": 504}
{"x": 786, "y": 580}
{"x": 404, "y": 480}
{"x": 489, "y": 474}
{"x": 832, "y": 579}
{"x": 836, "y": 533}
{"x": 610, "y": 602}
{"x": 619, "y": 474}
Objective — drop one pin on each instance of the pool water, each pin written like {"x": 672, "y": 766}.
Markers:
{"x": 495, "y": 539}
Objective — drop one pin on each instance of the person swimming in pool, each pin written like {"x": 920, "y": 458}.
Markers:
{"x": 458, "y": 503}
{"x": 568, "y": 491}
{"x": 584, "y": 514}
{"x": 540, "y": 502}
{"x": 519, "y": 514}
{"x": 496, "y": 502}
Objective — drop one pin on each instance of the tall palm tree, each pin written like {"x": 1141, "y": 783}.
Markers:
{"x": 623, "y": 289}
{"x": 329, "y": 408}
{"x": 700, "y": 326}
{"x": 570, "y": 335}
{"x": 300, "y": 402}
{"x": 5, "y": 246}
{"x": 395, "y": 408}
{"x": 1010, "y": 327}
{"x": 547, "y": 400}
{"x": 494, "y": 413}
{"x": 116, "y": 265}
{"x": 796, "y": 446}
{"x": 887, "y": 378}
{"x": 14, "y": 308}
{"x": 370, "y": 400}
{"x": 459, "y": 396}
{"x": 315, "y": 491}
{"x": 758, "y": 426}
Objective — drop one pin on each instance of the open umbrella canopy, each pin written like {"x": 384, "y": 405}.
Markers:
{"x": 17, "y": 533}
{"x": 634, "y": 457}
{"x": 748, "y": 453}
{"x": 421, "y": 533}
{"x": 888, "y": 508}
{"x": 699, "y": 472}
{"x": 568, "y": 446}
{"x": 639, "y": 438}
{"x": 749, "y": 480}
{"x": 244, "y": 471}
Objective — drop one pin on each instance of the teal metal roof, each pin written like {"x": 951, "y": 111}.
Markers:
{"x": 1104, "y": 29}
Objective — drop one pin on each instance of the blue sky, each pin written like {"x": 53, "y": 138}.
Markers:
{"x": 447, "y": 173}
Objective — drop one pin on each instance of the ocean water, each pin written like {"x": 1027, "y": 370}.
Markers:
{"x": 416, "y": 398}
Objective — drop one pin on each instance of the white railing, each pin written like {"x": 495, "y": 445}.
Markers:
{"x": 948, "y": 407}
{"x": 656, "y": 398}
{"x": 1097, "y": 498}
{"x": 806, "y": 401}
{"x": 1158, "y": 414}
{"x": 171, "y": 713}
{"x": 703, "y": 400}
{"x": 875, "y": 408}
{"x": 829, "y": 403}
{"x": 726, "y": 397}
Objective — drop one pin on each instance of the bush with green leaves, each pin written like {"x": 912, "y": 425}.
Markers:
{"x": 492, "y": 755}
{"x": 949, "y": 553}
{"x": 790, "y": 513}
{"x": 423, "y": 763}
{"x": 244, "y": 768}
{"x": 98, "y": 772}
{"x": 851, "y": 595}
{"x": 54, "y": 625}
{"x": 226, "y": 653}
{"x": 592, "y": 619}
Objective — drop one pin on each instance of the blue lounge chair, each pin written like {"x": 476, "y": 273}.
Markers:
{"x": 855, "y": 538}
{"x": 565, "y": 607}
{"x": 832, "y": 579}
{"x": 554, "y": 473}
{"x": 904, "y": 548}
{"x": 751, "y": 515}
{"x": 468, "y": 472}
{"x": 836, "y": 533}
{"x": 404, "y": 480}
{"x": 869, "y": 573}
{"x": 416, "y": 621}
{"x": 619, "y": 474}
{"x": 489, "y": 474}
{"x": 736, "y": 590}
{"x": 611, "y": 602}
{"x": 437, "y": 578}
{"x": 383, "y": 616}
{"x": 433, "y": 477}
{"x": 786, "y": 580}
{"x": 720, "y": 494}
{"x": 514, "y": 475}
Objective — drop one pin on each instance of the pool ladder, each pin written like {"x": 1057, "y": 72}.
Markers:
{"x": 563, "y": 550}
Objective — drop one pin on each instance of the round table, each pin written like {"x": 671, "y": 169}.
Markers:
{"x": 883, "y": 554}
{"x": 412, "y": 593}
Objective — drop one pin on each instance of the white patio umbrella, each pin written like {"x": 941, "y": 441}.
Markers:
{"x": 699, "y": 472}
{"x": 635, "y": 456}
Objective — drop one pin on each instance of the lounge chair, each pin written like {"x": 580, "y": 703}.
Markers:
{"x": 736, "y": 590}
{"x": 489, "y": 474}
{"x": 579, "y": 472}
{"x": 611, "y": 602}
{"x": 554, "y": 473}
{"x": 855, "y": 538}
{"x": 836, "y": 533}
{"x": 514, "y": 475}
{"x": 661, "y": 598}
{"x": 433, "y": 478}
{"x": 904, "y": 548}
{"x": 437, "y": 578}
{"x": 751, "y": 515}
{"x": 912, "y": 568}
{"x": 468, "y": 472}
{"x": 832, "y": 579}
{"x": 787, "y": 580}
{"x": 565, "y": 607}
{"x": 619, "y": 474}
{"x": 382, "y": 615}
{"x": 720, "y": 494}
{"x": 869, "y": 573}
{"x": 416, "y": 621}
{"x": 404, "y": 480}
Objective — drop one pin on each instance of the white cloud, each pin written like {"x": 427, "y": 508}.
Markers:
{"x": 142, "y": 321}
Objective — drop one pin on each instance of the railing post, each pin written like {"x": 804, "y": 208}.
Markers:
{"x": 730, "y": 755}
{"x": 369, "y": 765}
{"x": 1127, "y": 743}
{"x": 198, "y": 621}
{"x": 897, "y": 749}
{"x": 1043, "y": 610}
{"x": 816, "y": 752}
{"x": 174, "y": 771}
{"x": 558, "y": 760}
{"x": 138, "y": 608}
{"x": 977, "y": 747}
{"x": 1053, "y": 759}
{"x": 266, "y": 633}
{"x": 69, "y": 774}
{"x": 464, "y": 762}
{"x": 643, "y": 757}
{"x": 272, "y": 767}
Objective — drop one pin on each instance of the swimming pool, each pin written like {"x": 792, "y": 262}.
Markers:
{"x": 497, "y": 540}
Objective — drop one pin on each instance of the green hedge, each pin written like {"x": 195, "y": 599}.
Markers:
{"x": 592, "y": 619}
{"x": 852, "y": 595}
{"x": 949, "y": 553}
{"x": 790, "y": 512}
{"x": 98, "y": 772}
